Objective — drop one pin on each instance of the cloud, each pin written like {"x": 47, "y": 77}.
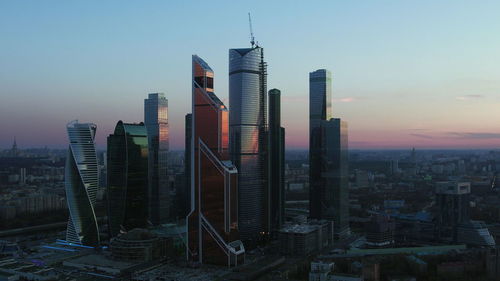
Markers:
{"x": 461, "y": 135}
{"x": 470, "y": 97}
{"x": 348, "y": 99}
{"x": 422, "y": 136}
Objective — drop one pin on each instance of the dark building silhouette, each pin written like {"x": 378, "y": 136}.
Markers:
{"x": 81, "y": 184}
{"x": 276, "y": 162}
{"x": 161, "y": 207}
{"x": 127, "y": 191}
{"x": 185, "y": 196}
{"x": 328, "y": 157}
{"x": 452, "y": 199}
{"x": 213, "y": 220}
{"x": 380, "y": 231}
{"x": 248, "y": 140}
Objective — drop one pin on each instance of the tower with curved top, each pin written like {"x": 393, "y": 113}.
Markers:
{"x": 81, "y": 184}
{"x": 213, "y": 220}
{"x": 248, "y": 140}
{"x": 127, "y": 191}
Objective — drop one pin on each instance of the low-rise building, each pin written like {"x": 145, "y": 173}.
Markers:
{"x": 306, "y": 238}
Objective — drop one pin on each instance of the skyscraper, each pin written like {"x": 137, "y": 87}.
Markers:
{"x": 328, "y": 170}
{"x": 320, "y": 109}
{"x": 213, "y": 220}
{"x": 161, "y": 207}
{"x": 186, "y": 194}
{"x": 276, "y": 161}
{"x": 248, "y": 139}
{"x": 452, "y": 200}
{"x": 127, "y": 178}
{"x": 335, "y": 176}
{"x": 81, "y": 184}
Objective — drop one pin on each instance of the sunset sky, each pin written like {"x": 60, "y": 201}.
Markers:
{"x": 422, "y": 74}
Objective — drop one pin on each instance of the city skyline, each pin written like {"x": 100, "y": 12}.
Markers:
{"x": 426, "y": 66}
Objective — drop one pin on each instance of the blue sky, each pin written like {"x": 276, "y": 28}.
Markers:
{"x": 406, "y": 73}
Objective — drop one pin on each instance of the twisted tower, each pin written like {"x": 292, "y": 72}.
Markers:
{"x": 81, "y": 183}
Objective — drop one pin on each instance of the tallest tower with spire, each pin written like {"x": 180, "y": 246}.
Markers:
{"x": 248, "y": 139}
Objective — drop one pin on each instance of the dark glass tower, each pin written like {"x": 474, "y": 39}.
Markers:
{"x": 328, "y": 170}
{"x": 186, "y": 194}
{"x": 161, "y": 198}
{"x": 127, "y": 178}
{"x": 335, "y": 176}
{"x": 213, "y": 220}
{"x": 81, "y": 183}
{"x": 276, "y": 161}
{"x": 320, "y": 109}
{"x": 248, "y": 139}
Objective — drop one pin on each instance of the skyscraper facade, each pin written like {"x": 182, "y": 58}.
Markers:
{"x": 213, "y": 220}
{"x": 328, "y": 170}
{"x": 161, "y": 207}
{"x": 276, "y": 162}
{"x": 186, "y": 194}
{"x": 320, "y": 109}
{"x": 248, "y": 139}
{"x": 334, "y": 191}
{"x": 127, "y": 191}
{"x": 81, "y": 184}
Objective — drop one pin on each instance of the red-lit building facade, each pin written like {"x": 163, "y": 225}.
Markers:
{"x": 213, "y": 220}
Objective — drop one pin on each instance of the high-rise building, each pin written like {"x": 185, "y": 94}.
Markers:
{"x": 276, "y": 162}
{"x": 320, "y": 109}
{"x": 213, "y": 220}
{"x": 335, "y": 174}
{"x": 161, "y": 207}
{"x": 81, "y": 184}
{"x": 14, "y": 152}
{"x": 328, "y": 157}
{"x": 452, "y": 199}
{"x": 186, "y": 194}
{"x": 248, "y": 139}
{"x": 127, "y": 190}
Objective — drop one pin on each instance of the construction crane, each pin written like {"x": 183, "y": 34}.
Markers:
{"x": 252, "y": 39}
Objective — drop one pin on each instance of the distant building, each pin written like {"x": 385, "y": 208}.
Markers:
{"x": 380, "y": 231}
{"x": 161, "y": 207}
{"x": 127, "y": 190}
{"x": 452, "y": 199}
{"x": 276, "y": 162}
{"x": 321, "y": 271}
{"x": 213, "y": 220}
{"x": 186, "y": 194}
{"x": 362, "y": 179}
{"x": 81, "y": 184}
{"x": 14, "y": 151}
{"x": 475, "y": 233}
{"x": 305, "y": 238}
{"x": 139, "y": 245}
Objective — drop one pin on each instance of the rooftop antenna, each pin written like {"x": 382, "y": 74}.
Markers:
{"x": 252, "y": 39}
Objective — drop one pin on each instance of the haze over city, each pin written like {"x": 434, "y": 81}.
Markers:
{"x": 405, "y": 73}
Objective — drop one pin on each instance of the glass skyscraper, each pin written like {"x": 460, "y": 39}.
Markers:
{"x": 81, "y": 184}
{"x": 186, "y": 193}
{"x": 248, "y": 139}
{"x": 335, "y": 175}
{"x": 276, "y": 162}
{"x": 127, "y": 178}
{"x": 328, "y": 170}
{"x": 213, "y": 220}
{"x": 161, "y": 198}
